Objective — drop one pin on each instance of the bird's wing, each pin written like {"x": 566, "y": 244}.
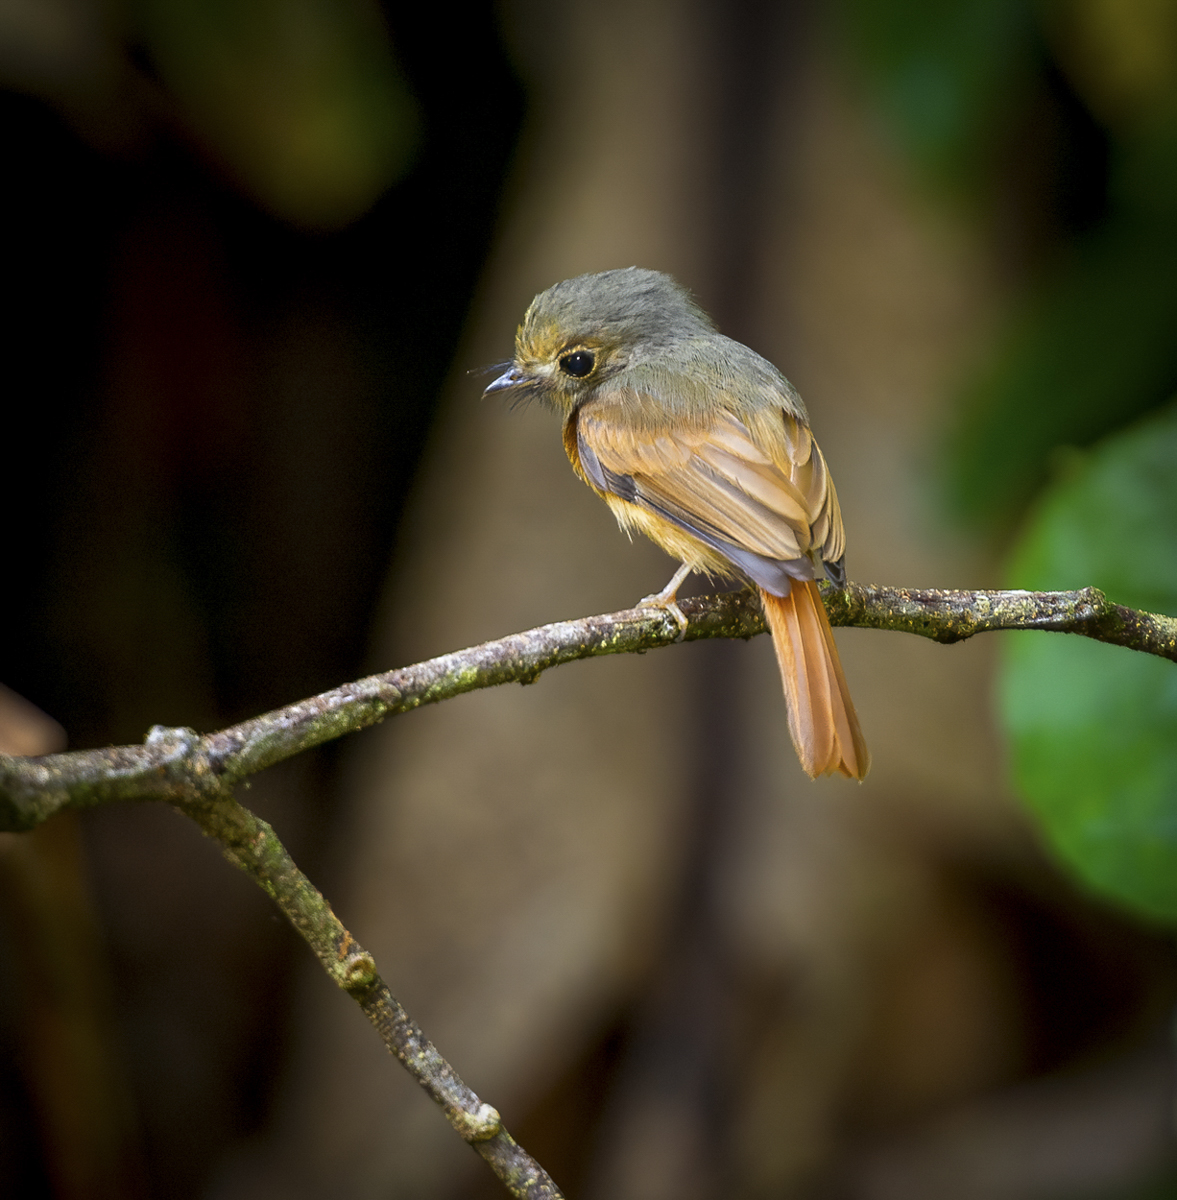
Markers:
{"x": 755, "y": 490}
{"x": 791, "y": 446}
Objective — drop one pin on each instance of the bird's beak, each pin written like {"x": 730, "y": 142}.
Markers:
{"x": 508, "y": 379}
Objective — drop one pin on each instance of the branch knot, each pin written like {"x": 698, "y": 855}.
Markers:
{"x": 357, "y": 972}
{"x": 478, "y": 1126}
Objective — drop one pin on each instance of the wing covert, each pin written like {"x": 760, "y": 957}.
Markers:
{"x": 758, "y": 491}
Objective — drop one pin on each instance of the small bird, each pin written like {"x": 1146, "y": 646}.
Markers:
{"x": 702, "y": 445}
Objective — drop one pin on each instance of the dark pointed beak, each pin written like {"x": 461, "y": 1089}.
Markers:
{"x": 508, "y": 379}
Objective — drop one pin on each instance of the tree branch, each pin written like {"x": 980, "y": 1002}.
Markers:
{"x": 953, "y": 616}
{"x": 251, "y": 844}
{"x": 196, "y": 774}
{"x": 177, "y": 765}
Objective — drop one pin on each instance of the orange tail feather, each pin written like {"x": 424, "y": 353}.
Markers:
{"x": 822, "y": 720}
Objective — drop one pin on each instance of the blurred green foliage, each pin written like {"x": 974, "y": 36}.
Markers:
{"x": 1094, "y": 343}
{"x": 300, "y": 101}
{"x": 1094, "y": 347}
{"x": 1093, "y": 728}
{"x": 946, "y": 76}
{"x": 1090, "y": 347}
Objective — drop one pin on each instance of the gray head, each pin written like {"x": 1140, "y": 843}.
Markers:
{"x": 582, "y": 330}
{"x": 631, "y": 306}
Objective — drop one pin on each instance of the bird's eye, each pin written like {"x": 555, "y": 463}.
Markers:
{"x": 578, "y": 364}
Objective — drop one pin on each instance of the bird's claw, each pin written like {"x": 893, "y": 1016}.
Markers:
{"x": 667, "y": 605}
{"x": 667, "y": 600}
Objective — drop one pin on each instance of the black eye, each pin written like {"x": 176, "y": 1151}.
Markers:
{"x": 578, "y": 365}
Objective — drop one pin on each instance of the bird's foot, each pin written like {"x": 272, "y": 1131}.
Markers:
{"x": 668, "y": 606}
{"x": 667, "y": 600}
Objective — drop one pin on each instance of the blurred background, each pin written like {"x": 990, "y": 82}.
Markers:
{"x": 254, "y": 253}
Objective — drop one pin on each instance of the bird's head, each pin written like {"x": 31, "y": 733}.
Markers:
{"x": 583, "y": 331}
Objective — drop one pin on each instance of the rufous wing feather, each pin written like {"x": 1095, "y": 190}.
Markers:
{"x": 822, "y": 720}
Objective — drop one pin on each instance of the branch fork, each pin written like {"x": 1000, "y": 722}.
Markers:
{"x": 197, "y": 774}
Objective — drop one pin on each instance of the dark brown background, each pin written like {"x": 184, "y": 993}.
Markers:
{"x": 244, "y": 461}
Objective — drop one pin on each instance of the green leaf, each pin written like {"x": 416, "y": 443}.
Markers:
{"x": 1093, "y": 728}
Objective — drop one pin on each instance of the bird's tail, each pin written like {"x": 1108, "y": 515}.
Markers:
{"x": 822, "y": 720}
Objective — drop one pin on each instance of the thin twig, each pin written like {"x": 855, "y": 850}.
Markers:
{"x": 197, "y": 774}
{"x": 176, "y": 765}
{"x": 953, "y": 616}
{"x": 251, "y": 844}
